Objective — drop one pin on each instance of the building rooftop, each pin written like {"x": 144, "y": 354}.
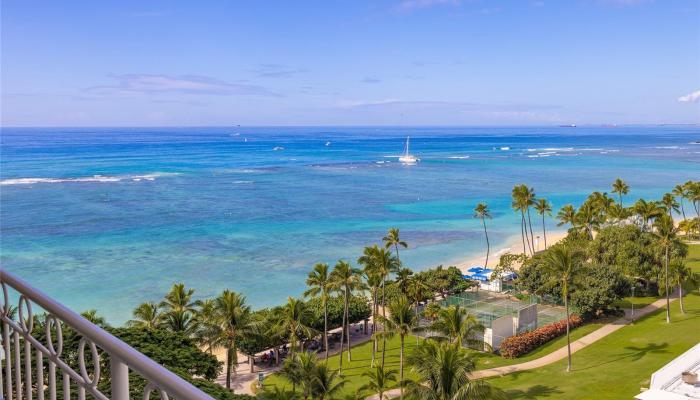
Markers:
{"x": 667, "y": 384}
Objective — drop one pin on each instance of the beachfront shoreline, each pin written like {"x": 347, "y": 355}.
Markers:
{"x": 513, "y": 245}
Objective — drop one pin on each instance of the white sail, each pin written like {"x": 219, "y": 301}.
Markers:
{"x": 407, "y": 158}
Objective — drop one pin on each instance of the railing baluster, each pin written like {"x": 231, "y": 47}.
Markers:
{"x": 119, "y": 378}
{"x": 52, "y": 380}
{"x": 18, "y": 371}
{"x": 16, "y": 379}
{"x": 66, "y": 386}
{"x": 39, "y": 375}
{"x": 28, "y": 370}
{"x": 8, "y": 359}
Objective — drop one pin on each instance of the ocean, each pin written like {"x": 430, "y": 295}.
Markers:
{"x": 108, "y": 218}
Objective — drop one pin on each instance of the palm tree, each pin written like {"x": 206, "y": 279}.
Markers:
{"x": 563, "y": 266}
{"x": 307, "y": 363}
{"x": 346, "y": 279}
{"x": 443, "y": 374}
{"x": 180, "y": 309}
{"x": 432, "y": 311}
{"x": 458, "y": 326}
{"x": 666, "y": 232}
{"x": 374, "y": 281}
{"x": 382, "y": 263}
{"x": 693, "y": 196}
{"x": 670, "y": 204}
{"x": 401, "y": 322}
{"x": 567, "y": 215}
{"x": 379, "y": 380}
{"x": 319, "y": 283}
{"x": 543, "y": 208}
{"x": 146, "y": 316}
{"x": 620, "y": 187}
{"x": 588, "y": 218}
{"x": 482, "y": 211}
{"x": 529, "y": 200}
{"x": 522, "y": 199}
{"x": 235, "y": 322}
{"x": 681, "y": 274}
{"x": 647, "y": 210}
{"x": 403, "y": 279}
{"x": 392, "y": 239}
{"x": 208, "y": 327}
{"x": 292, "y": 371}
{"x": 326, "y": 383}
{"x": 293, "y": 318}
{"x": 680, "y": 192}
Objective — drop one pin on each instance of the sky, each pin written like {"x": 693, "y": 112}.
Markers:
{"x": 382, "y": 62}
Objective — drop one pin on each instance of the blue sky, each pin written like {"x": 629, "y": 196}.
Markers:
{"x": 400, "y": 62}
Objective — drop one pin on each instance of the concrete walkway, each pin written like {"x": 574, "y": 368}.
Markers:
{"x": 561, "y": 353}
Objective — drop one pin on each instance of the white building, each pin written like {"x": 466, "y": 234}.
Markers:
{"x": 667, "y": 383}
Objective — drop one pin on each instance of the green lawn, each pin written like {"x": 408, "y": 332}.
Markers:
{"x": 362, "y": 356}
{"x": 490, "y": 360}
{"x": 617, "y": 366}
{"x": 693, "y": 259}
{"x": 361, "y": 359}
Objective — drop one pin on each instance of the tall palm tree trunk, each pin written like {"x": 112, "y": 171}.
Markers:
{"x": 342, "y": 337}
{"x": 384, "y": 317}
{"x": 680, "y": 296}
{"x": 229, "y": 360}
{"x": 401, "y": 367}
{"x": 568, "y": 339}
{"x": 527, "y": 237}
{"x": 544, "y": 232}
{"x": 682, "y": 208}
{"x": 522, "y": 233}
{"x": 532, "y": 237}
{"x": 668, "y": 301}
{"x": 347, "y": 321}
{"x": 488, "y": 250}
{"x": 325, "y": 325}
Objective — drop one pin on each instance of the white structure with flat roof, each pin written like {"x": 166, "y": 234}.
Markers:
{"x": 667, "y": 383}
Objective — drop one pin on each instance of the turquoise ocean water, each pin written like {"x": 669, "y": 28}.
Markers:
{"x": 108, "y": 218}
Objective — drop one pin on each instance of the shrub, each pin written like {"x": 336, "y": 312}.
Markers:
{"x": 516, "y": 346}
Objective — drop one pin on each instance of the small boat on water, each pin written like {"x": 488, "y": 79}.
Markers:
{"x": 328, "y": 144}
{"x": 407, "y": 157}
{"x": 278, "y": 148}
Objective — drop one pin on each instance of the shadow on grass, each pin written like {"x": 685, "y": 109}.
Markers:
{"x": 533, "y": 392}
{"x": 632, "y": 354}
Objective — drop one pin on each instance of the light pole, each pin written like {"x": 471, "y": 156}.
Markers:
{"x": 633, "y": 285}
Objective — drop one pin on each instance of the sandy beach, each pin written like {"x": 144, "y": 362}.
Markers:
{"x": 514, "y": 245}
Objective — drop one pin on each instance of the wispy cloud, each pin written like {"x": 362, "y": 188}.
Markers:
{"x": 409, "y": 5}
{"x": 185, "y": 84}
{"x": 277, "y": 71}
{"x": 692, "y": 97}
{"x": 370, "y": 79}
{"x": 447, "y": 105}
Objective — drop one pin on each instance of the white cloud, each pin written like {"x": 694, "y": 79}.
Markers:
{"x": 186, "y": 84}
{"x": 693, "y": 97}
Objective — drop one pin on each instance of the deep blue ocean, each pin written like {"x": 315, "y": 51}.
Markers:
{"x": 109, "y": 218}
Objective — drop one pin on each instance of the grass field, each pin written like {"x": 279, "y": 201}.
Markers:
{"x": 361, "y": 360}
{"x": 619, "y": 365}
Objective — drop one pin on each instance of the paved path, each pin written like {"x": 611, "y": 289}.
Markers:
{"x": 561, "y": 353}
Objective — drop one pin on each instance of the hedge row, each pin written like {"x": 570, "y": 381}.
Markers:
{"x": 516, "y": 346}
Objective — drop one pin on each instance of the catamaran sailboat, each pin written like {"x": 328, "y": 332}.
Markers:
{"x": 407, "y": 158}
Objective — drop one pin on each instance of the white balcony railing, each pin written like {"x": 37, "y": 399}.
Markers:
{"x": 24, "y": 375}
